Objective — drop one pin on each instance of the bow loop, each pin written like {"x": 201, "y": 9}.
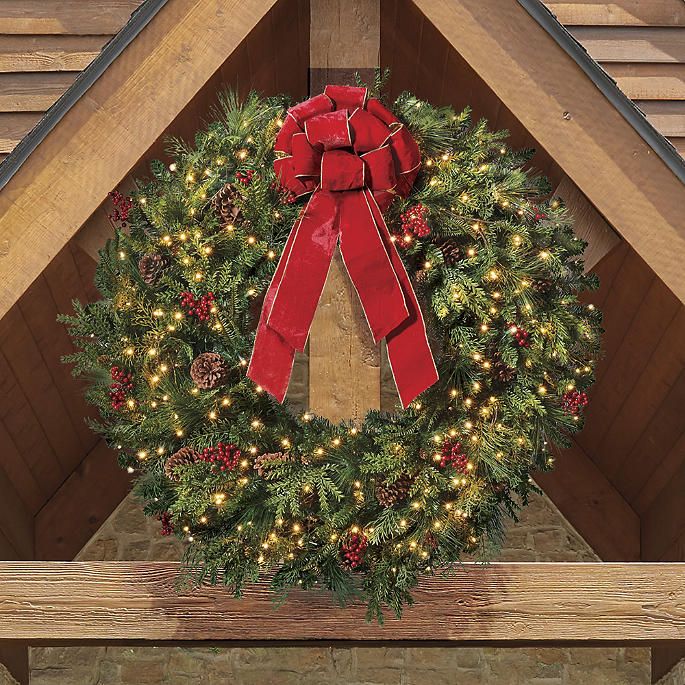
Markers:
{"x": 380, "y": 169}
{"x": 329, "y": 131}
{"x": 368, "y": 132}
{"x": 341, "y": 171}
{"x": 306, "y": 157}
{"x": 346, "y": 97}
{"x": 355, "y": 164}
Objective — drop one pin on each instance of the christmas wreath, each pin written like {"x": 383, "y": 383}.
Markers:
{"x": 448, "y": 238}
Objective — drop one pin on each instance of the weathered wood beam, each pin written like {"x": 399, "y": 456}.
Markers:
{"x": 59, "y": 187}
{"x": 512, "y": 603}
{"x": 344, "y": 362}
{"x": 585, "y": 134}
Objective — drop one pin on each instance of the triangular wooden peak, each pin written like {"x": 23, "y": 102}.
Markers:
{"x": 620, "y": 484}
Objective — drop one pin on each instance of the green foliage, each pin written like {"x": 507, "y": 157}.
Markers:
{"x": 519, "y": 266}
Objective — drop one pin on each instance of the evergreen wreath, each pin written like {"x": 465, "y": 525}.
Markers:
{"x": 255, "y": 487}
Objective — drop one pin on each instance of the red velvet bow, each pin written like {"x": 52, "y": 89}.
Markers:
{"x": 355, "y": 156}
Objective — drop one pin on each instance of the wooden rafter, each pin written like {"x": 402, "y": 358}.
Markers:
{"x": 512, "y": 603}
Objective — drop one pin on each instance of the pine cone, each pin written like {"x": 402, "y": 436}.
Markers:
{"x": 264, "y": 461}
{"x": 542, "y": 285}
{"x": 388, "y": 494}
{"x": 451, "y": 252}
{"x": 209, "y": 371}
{"x": 502, "y": 372}
{"x": 152, "y": 266}
{"x": 224, "y": 204}
{"x": 184, "y": 456}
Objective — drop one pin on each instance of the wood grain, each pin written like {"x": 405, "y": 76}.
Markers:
{"x": 668, "y": 117}
{"x": 632, "y": 44}
{"x": 48, "y": 53}
{"x": 32, "y": 92}
{"x": 95, "y": 17}
{"x": 513, "y": 603}
{"x": 649, "y": 81}
{"x": 619, "y": 12}
{"x": 344, "y": 363}
{"x": 592, "y": 505}
{"x": 344, "y": 33}
{"x": 14, "y": 126}
{"x": 585, "y": 134}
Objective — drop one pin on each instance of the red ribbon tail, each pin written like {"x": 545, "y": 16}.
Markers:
{"x": 371, "y": 271}
{"x": 293, "y": 295}
{"x": 409, "y": 353}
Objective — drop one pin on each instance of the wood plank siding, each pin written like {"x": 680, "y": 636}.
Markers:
{"x": 44, "y": 44}
{"x": 641, "y": 45}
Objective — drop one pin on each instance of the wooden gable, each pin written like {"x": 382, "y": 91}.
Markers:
{"x": 619, "y": 484}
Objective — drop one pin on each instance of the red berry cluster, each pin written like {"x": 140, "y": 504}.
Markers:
{"x": 122, "y": 386}
{"x": 352, "y": 550}
{"x": 122, "y": 206}
{"x": 452, "y": 454}
{"x": 222, "y": 457}
{"x": 286, "y": 197}
{"x": 574, "y": 401}
{"x": 521, "y": 335}
{"x": 539, "y": 215}
{"x": 244, "y": 177}
{"x": 414, "y": 221}
{"x": 167, "y": 525}
{"x": 200, "y": 307}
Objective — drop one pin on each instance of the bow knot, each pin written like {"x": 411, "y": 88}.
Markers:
{"x": 354, "y": 156}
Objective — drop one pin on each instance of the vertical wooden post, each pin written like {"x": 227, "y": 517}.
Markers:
{"x": 344, "y": 363}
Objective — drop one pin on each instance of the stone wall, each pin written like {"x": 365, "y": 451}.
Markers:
{"x": 676, "y": 676}
{"x": 541, "y": 535}
{"x": 5, "y": 677}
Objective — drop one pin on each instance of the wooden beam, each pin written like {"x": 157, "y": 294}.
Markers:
{"x": 81, "y": 505}
{"x": 16, "y": 523}
{"x": 577, "y": 486}
{"x": 511, "y": 603}
{"x": 344, "y": 362}
{"x": 68, "y": 177}
{"x": 98, "y": 228}
{"x": 566, "y": 113}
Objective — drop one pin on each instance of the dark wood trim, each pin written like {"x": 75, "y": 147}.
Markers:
{"x": 15, "y": 658}
{"x": 81, "y": 505}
